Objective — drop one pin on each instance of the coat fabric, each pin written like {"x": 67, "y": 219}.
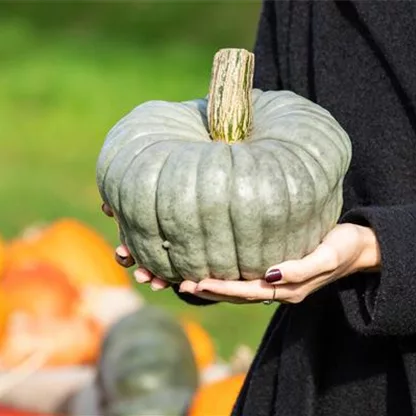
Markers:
{"x": 350, "y": 348}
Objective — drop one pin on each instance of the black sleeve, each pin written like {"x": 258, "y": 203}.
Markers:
{"x": 265, "y": 78}
{"x": 191, "y": 299}
{"x": 384, "y": 303}
{"x": 266, "y": 75}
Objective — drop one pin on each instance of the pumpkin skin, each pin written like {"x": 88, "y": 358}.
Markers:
{"x": 75, "y": 340}
{"x": 192, "y": 208}
{"x": 40, "y": 289}
{"x": 202, "y": 345}
{"x": 74, "y": 248}
{"x": 172, "y": 402}
{"x": 43, "y": 309}
{"x": 5, "y": 311}
{"x": 145, "y": 354}
{"x": 216, "y": 398}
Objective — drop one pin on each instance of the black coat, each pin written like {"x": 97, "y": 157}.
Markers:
{"x": 350, "y": 348}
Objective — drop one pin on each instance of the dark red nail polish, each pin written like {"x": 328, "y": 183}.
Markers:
{"x": 124, "y": 261}
{"x": 107, "y": 210}
{"x": 274, "y": 275}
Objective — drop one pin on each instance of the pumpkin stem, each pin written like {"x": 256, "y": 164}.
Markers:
{"x": 229, "y": 108}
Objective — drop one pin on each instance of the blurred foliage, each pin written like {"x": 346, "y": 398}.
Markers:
{"x": 210, "y": 22}
{"x": 69, "y": 71}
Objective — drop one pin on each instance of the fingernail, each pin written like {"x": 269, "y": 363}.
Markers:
{"x": 107, "y": 210}
{"x": 273, "y": 275}
{"x": 124, "y": 261}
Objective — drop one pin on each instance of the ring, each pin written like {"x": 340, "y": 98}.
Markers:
{"x": 270, "y": 301}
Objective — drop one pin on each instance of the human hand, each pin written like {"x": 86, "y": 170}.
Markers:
{"x": 125, "y": 259}
{"x": 348, "y": 248}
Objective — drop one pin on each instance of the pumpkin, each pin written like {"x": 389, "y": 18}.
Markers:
{"x": 201, "y": 343}
{"x": 5, "y": 311}
{"x": 45, "y": 313}
{"x": 65, "y": 341}
{"x": 216, "y": 398}
{"x": 74, "y": 248}
{"x": 224, "y": 187}
{"x": 146, "y": 366}
{"x": 41, "y": 289}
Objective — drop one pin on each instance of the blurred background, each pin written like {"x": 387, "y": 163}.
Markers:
{"x": 68, "y": 72}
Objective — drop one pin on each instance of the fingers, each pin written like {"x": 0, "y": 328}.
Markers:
{"x": 250, "y": 291}
{"x": 145, "y": 276}
{"x": 222, "y": 298}
{"x": 255, "y": 290}
{"x": 123, "y": 256}
{"x": 123, "y": 251}
{"x": 158, "y": 284}
{"x": 125, "y": 259}
{"x": 323, "y": 260}
{"x": 142, "y": 275}
{"x": 190, "y": 287}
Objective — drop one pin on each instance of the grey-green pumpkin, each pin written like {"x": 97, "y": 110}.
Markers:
{"x": 225, "y": 186}
{"x": 146, "y": 367}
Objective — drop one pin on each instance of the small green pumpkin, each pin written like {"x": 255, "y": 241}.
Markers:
{"x": 146, "y": 367}
{"x": 227, "y": 186}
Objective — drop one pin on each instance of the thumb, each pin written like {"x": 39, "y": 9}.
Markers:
{"x": 322, "y": 260}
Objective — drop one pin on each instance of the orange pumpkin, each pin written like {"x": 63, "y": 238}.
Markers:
{"x": 5, "y": 311}
{"x": 40, "y": 289}
{"x": 74, "y": 248}
{"x": 45, "y": 313}
{"x": 201, "y": 342}
{"x": 216, "y": 398}
{"x": 72, "y": 340}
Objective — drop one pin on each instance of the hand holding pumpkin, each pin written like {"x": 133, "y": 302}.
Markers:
{"x": 346, "y": 249}
{"x": 260, "y": 181}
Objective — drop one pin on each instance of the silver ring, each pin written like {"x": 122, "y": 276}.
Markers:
{"x": 270, "y": 301}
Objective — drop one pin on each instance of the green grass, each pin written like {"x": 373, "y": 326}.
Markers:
{"x": 60, "y": 92}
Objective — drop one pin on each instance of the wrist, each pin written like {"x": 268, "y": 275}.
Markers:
{"x": 370, "y": 257}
